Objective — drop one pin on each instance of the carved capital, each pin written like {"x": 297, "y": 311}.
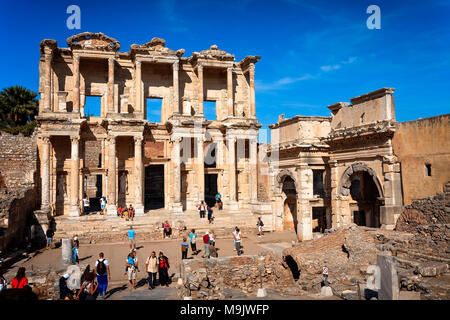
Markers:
{"x": 176, "y": 66}
{"x": 138, "y": 140}
{"x": 138, "y": 64}
{"x": 76, "y": 59}
{"x": 111, "y": 139}
{"x": 74, "y": 139}
{"x": 46, "y": 140}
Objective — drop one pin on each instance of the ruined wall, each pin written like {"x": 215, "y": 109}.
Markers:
{"x": 420, "y": 142}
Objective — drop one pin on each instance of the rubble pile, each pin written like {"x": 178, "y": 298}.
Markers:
{"x": 234, "y": 277}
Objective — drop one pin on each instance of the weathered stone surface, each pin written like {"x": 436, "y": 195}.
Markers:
{"x": 388, "y": 276}
{"x": 431, "y": 269}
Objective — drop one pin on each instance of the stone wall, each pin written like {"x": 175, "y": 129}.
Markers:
{"x": 225, "y": 278}
{"x": 416, "y": 144}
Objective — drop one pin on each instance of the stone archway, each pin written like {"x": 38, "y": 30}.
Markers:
{"x": 287, "y": 188}
{"x": 364, "y": 194}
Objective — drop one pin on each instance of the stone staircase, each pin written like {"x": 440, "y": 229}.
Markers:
{"x": 97, "y": 228}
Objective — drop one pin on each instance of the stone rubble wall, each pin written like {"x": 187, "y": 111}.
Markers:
{"x": 228, "y": 277}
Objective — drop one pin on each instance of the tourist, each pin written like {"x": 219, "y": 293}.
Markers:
{"x": 193, "y": 241}
{"x": 132, "y": 266}
{"x": 120, "y": 212}
{"x": 103, "y": 274}
{"x": 131, "y": 236}
{"x": 64, "y": 292}
{"x": 184, "y": 249}
{"x": 151, "y": 266}
{"x": 86, "y": 205}
{"x": 131, "y": 212}
{"x": 206, "y": 245}
{"x": 167, "y": 229}
{"x": 325, "y": 275}
{"x": 75, "y": 241}
{"x": 219, "y": 200}
{"x": 102, "y": 204}
{"x": 3, "y": 283}
{"x": 125, "y": 212}
{"x": 210, "y": 215}
{"x": 202, "y": 209}
{"x": 88, "y": 288}
{"x": 49, "y": 235}
{"x": 212, "y": 245}
{"x": 75, "y": 253}
{"x": 238, "y": 241}
{"x": 19, "y": 281}
{"x": 163, "y": 268}
{"x": 234, "y": 238}
{"x": 260, "y": 224}
{"x": 212, "y": 238}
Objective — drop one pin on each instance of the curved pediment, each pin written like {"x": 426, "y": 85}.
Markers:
{"x": 93, "y": 41}
{"x": 156, "y": 46}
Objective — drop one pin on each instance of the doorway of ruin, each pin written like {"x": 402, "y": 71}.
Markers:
{"x": 290, "y": 220}
{"x": 210, "y": 189}
{"x": 154, "y": 187}
{"x": 364, "y": 203}
{"x": 93, "y": 189}
{"x": 319, "y": 222}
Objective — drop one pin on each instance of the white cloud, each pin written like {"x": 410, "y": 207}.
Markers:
{"x": 330, "y": 67}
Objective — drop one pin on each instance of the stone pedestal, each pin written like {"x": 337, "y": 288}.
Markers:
{"x": 389, "y": 289}
{"x": 261, "y": 293}
{"x": 326, "y": 291}
{"x": 232, "y": 206}
{"x": 74, "y": 281}
{"x": 66, "y": 251}
{"x": 139, "y": 210}
{"x": 176, "y": 208}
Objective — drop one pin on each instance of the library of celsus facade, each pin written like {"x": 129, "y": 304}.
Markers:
{"x": 174, "y": 163}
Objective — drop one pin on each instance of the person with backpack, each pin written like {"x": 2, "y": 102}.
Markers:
{"x": 88, "y": 288}
{"x": 193, "y": 241}
{"x": 103, "y": 274}
{"x": 202, "y": 209}
{"x": 163, "y": 269}
{"x": 219, "y": 200}
{"x": 260, "y": 224}
{"x": 210, "y": 215}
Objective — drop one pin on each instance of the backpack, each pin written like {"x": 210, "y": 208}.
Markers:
{"x": 101, "y": 267}
{"x": 262, "y": 224}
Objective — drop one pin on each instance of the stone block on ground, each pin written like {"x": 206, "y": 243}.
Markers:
{"x": 389, "y": 289}
{"x": 431, "y": 269}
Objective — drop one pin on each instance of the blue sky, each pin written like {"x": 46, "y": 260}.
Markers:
{"x": 314, "y": 53}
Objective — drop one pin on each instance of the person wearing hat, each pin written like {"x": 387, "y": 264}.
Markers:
{"x": 206, "y": 245}
{"x": 64, "y": 292}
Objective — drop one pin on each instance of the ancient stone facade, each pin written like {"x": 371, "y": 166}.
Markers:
{"x": 329, "y": 172}
{"x": 125, "y": 157}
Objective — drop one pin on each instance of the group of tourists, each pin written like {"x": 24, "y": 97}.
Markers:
{"x": 203, "y": 208}
{"x": 19, "y": 285}
{"x": 127, "y": 212}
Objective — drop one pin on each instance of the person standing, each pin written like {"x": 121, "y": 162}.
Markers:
{"x": 167, "y": 229}
{"x": 202, "y": 209}
{"x": 75, "y": 248}
{"x": 19, "y": 281}
{"x": 132, "y": 266}
{"x": 64, "y": 292}
{"x": 151, "y": 266}
{"x": 184, "y": 249}
{"x": 49, "y": 235}
{"x": 131, "y": 237}
{"x": 103, "y": 274}
{"x": 238, "y": 241}
{"x": 206, "y": 245}
{"x": 260, "y": 224}
{"x": 193, "y": 241}
{"x": 163, "y": 268}
{"x": 219, "y": 200}
{"x": 210, "y": 214}
{"x": 88, "y": 288}
{"x": 86, "y": 205}
{"x": 102, "y": 204}
{"x": 131, "y": 212}
{"x": 212, "y": 245}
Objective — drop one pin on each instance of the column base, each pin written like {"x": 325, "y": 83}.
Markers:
{"x": 233, "y": 206}
{"x": 176, "y": 207}
{"x": 111, "y": 210}
{"x": 74, "y": 211}
{"x": 139, "y": 210}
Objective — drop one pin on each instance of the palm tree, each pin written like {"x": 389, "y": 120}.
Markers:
{"x": 18, "y": 106}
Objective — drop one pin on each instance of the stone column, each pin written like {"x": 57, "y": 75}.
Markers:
{"x": 393, "y": 198}
{"x": 335, "y": 223}
{"x": 253, "y": 169}
{"x": 231, "y": 145}
{"x": 252, "y": 90}
{"x": 230, "y": 91}
{"x": 200, "y": 89}
{"x": 138, "y": 88}
{"x": 200, "y": 160}
{"x": 176, "y": 90}
{"x": 176, "y": 206}
{"x": 48, "y": 82}
{"x": 110, "y": 103}
{"x": 74, "y": 210}
{"x": 304, "y": 210}
{"x": 45, "y": 187}
{"x": 66, "y": 251}
{"x": 76, "y": 84}
{"x": 139, "y": 176}
{"x": 111, "y": 208}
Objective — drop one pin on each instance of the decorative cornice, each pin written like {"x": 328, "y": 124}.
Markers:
{"x": 93, "y": 41}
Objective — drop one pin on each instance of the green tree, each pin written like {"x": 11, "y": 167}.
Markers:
{"x": 18, "y": 109}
